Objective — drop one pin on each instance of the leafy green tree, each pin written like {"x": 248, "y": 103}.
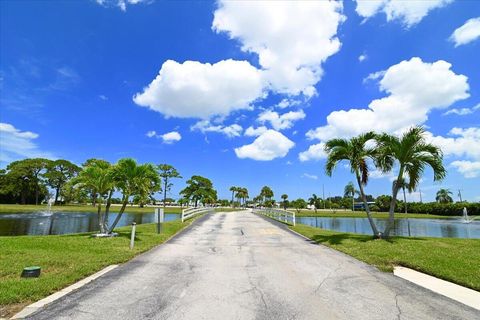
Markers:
{"x": 167, "y": 172}
{"x": 58, "y": 173}
{"x": 357, "y": 153}
{"x": 298, "y": 204}
{"x": 411, "y": 153}
{"x": 349, "y": 191}
{"x": 24, "y": 180}
{"x": 199, "y": 189}
{"x": 383, "y": 202}
{"x": 284, "y": 198}
{"x": 444, "y": 196}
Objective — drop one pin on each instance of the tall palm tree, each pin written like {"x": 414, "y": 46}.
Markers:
{"x": 349, "y": 191}
{"x": 411, "y": 153}
{"x": 443, "y": 196}
{"x": 313, "y": 201}
{"x": 284, "y": 198}
{"x": 357, "y": 152}
{"x": 132, "y": 179}
{"x": 233, "y": 189}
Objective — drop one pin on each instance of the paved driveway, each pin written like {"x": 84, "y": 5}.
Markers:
{"x": 242, "y": 266}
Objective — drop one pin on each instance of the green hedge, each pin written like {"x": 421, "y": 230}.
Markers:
{"x": 442, "y": 209}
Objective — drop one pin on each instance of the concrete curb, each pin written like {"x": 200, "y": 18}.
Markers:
{"x": 448, "y": 289}
{"x": 28, "y": 310}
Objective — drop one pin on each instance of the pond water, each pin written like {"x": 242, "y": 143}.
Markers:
{"x": 44, "y": 223}
{"x": 438, "y": 228}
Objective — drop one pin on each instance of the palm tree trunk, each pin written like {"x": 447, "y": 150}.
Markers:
{"x": 367, "y": 209}
{"x": 57, "y": 190}
{"x": 353, "y": 201}
{"x": 391, "y": 211}
{"x": 405, "y": 199}
{"x": 120, "y": 213}
{"x": 100, "y": 219}
{"x": 107, "y": 210}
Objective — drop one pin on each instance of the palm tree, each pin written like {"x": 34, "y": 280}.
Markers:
{"x": 443, "y": 196}
{"x": 357, "y": 153}
{"x": 284, "y": 198}
{"x": 411, "y": 153}
{"x": 131, "y": 179}
{"x": 313, "y": 201}
{"x": 349, "y": 191}
{"x": 233, "y": 189}
{"x": 403, "y": 185}
{"x": 98, "y": 178}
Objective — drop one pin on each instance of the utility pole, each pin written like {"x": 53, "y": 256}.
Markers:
{"x": 420, "y": 191}
{"x": 460, "y": 195}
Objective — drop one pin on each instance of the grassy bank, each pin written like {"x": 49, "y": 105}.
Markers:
{"x": 362, "y": 214}
{"x": 455, "y": 260}
{"x": 66, "y": 259}
{"x": 18, "y": 208}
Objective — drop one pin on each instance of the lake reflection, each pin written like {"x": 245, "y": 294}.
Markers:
{"x": 438, "y": 228}
{"x": 43, "y": 223}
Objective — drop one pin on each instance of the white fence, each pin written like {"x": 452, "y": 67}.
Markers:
{"x": 277, "y": 214}
{"x": 192, "y": 212}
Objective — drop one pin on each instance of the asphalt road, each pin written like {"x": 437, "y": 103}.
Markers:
{"x": 242, "y": 266}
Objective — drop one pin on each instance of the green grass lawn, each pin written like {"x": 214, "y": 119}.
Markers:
{"x": 66, "y": 259}
{"x": 455, "y": 260}
{"x": 362, "y": 214}
{"x": 17, "y": 208}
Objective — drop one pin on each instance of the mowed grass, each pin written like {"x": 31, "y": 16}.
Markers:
{"x": 66, "y": 259}
{"x": 362, "y": 214}
{"x": 18, "y": 208}
{"x": 455, "y": 260}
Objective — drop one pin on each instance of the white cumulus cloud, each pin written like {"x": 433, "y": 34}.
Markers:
{"x": 467, "y": 33}
{"x": 268, "y": 146}
{"x": 462, "y": 111}
{"x": 291, "y": 38}
{"x": 283, "y": 121}
{"x": 255, "y": 132}
{"x": 171, "y": 137}
{"x": 202, "y": 90}
{"x": 17, "y": 144}
{"x": 408, "y": 12}
{"x": 414, "y": 88}
{"x": 469, "y": 169}
{"x": 230, "y": 131}
{"x": 314, "y": 152}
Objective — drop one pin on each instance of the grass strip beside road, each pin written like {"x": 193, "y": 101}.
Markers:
{"x": 18, "y": 208}
{"x": 66, "y": 259}
{"x": 451, "y": 259}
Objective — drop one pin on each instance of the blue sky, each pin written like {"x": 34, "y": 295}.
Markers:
{"x": 247, "y": 91}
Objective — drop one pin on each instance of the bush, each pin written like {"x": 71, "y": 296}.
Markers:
{"x": 444, "y": 209}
